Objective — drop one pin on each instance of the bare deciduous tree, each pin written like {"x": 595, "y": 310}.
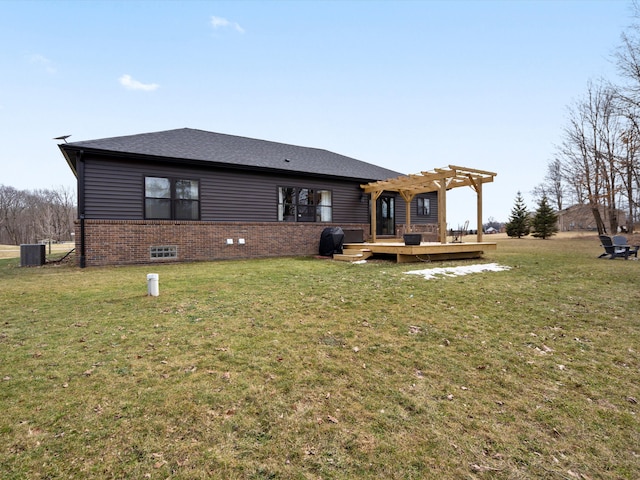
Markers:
{"x": 31, "y": 216}
{"x": 553, "y": 187}
{"x": 598, "y": 156}
{"x": 12, "y": 205}
{"x": 581, "y": 149}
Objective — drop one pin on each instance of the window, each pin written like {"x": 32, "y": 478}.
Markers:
{"x": 164, "y": 252}
{"x": 298, "y": 204}
{"x": 424, "y": 206}
{"x": 171, "y": 199}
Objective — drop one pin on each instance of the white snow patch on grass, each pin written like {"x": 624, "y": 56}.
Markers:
{"x": 432, "y": 273}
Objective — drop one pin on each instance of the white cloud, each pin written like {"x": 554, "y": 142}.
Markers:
{"x": 42, "y": 62}
{"x": 131, "y": 84}
{"x": 220, "y": 22}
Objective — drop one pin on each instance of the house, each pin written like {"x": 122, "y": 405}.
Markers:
{"x": 190, "y": 195}
{"x": 581, "y": 217}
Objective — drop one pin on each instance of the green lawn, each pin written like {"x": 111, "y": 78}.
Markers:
{"x": 300, "y": 368}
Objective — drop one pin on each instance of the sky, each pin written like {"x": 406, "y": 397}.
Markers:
{"x": 406, "y": 85}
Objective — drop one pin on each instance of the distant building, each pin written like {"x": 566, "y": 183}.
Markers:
{"x": 580, "y": 217}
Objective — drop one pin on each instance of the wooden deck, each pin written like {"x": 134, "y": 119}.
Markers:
{"x": 426, "y": 251}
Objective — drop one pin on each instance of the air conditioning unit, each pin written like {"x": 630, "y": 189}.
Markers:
{"x": 32, "y": 255}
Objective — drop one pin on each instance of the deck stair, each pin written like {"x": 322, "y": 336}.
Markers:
{"x": 353, "y": 255}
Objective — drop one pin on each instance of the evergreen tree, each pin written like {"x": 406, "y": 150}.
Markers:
{"x": 518, "y": 224}
{"x": 544, "y": 223}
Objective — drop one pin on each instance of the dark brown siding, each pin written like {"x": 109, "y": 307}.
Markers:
{"x": 111, "y": 188}
{"x": 433, "y": 212}
{"x": 401, "y": 208}
{"x": 115, "y": 190}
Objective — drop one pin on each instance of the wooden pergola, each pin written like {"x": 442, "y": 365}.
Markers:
{"x": 439, "y": 180}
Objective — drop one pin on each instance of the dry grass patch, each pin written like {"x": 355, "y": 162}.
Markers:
{"x": 305, "y": 369}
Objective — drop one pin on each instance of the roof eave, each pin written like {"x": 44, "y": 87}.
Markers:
{"x": 71, "y": 161}
{"x": 68, "y": 148}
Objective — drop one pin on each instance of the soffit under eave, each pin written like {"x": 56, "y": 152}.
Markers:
{"x": 71, "y": 161}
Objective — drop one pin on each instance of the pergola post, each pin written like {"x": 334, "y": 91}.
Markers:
{"x": 408, "y": 198}
{"x": 374, "y": 213}
{"x": 479, "y": 216}
{"x": 442, "y": 211}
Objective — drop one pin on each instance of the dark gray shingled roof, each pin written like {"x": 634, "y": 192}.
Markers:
{"x": 193, "y": 145}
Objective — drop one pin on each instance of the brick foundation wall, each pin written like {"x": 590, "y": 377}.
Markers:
{"x": 120, "y": 242}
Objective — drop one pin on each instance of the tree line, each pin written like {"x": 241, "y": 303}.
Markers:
{"x": 597, "y": 162}
{"x": 32, "y": 216}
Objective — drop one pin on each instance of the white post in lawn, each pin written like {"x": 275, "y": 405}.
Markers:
{"x": 153, "y": 287}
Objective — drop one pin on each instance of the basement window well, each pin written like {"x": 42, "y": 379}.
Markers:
{"x": 166, "y": 251}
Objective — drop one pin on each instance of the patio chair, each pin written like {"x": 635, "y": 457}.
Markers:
{"x": 613, "y": 251}
{"x": 621, "y": 241}
{"x": 459, "y": 233}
